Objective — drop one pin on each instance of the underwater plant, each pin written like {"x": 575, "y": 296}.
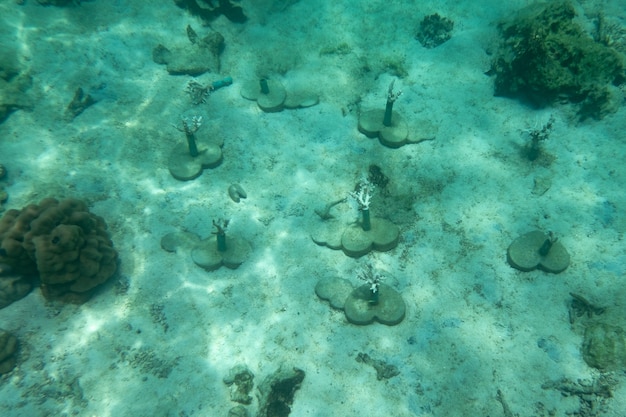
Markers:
{"x": 367, "y": 303}
{"x": 546, "y": 56}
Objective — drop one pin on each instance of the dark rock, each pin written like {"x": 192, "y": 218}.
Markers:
{"x": 13, "y": 288}
{"x": 192, "y": 58}
{"x": 210, "y": 9}
{"x": 434, "y": 30}
{"x": 277, "y": 391}
{"x": 604, "y": 347}
{"x": 241, "y": 379}
{"x": 8, "y": 348}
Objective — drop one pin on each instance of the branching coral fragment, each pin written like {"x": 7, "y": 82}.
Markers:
{"x": 363, "y": 194}
{"x": 391, "y": 96}
{"x": 197, "y": 92}
{"x": 371, "y": 277}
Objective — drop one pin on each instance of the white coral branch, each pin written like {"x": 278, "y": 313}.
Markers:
{"x": 371, "y": 277}
{"x": 363, "y": 195}
{"x": 391, "y": 96}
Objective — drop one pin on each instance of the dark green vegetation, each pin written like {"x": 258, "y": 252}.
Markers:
{"x": 545, "y": 56}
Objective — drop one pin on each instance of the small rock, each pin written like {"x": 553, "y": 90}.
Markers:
{"x": 8, "y": 348}
{"x": 239, "y": 411}
{"x": 277, "y": 391}
{"x": 604, "y": 347}
{"x": 242, "y": 379}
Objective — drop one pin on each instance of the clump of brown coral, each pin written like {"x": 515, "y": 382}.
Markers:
{"x": 62, "y": 242}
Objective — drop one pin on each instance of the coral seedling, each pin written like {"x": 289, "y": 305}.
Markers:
{"x": 199, "y": 93}
{"x": 389, "y": 126}
{"x": 373, "y": 279}
{"x": 187, "y": 162}
{"x": 195, "y": 57}
{"x": 220, "y": 233}
{"x": 373, "y": 301}
{"x": 391, "y": 98}
{"x": 363, "y": 197}
{"x": 190, "y": 128}
{"x": 362, "y": 236}
{"x": 271, "y": 96}
{"x": 213, "y": 252}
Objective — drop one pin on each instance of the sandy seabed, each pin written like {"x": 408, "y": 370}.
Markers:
{"x": 160, "y": 337}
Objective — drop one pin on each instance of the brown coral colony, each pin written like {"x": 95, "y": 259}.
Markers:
{"x": 68, "y": 247}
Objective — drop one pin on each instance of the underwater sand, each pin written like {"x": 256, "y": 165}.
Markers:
{"x": 160, "y": 337}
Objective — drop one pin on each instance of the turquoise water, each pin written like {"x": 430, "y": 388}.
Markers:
{"x": 159, "y": 336}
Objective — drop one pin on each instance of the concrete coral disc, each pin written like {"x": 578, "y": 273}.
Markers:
{"x": 389, "y": 310}
{"x": 185, "y": 167}
{"x": 382, "y": 236}
{"x": 334, "y": 290}
{"x": 523, "y": 254}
